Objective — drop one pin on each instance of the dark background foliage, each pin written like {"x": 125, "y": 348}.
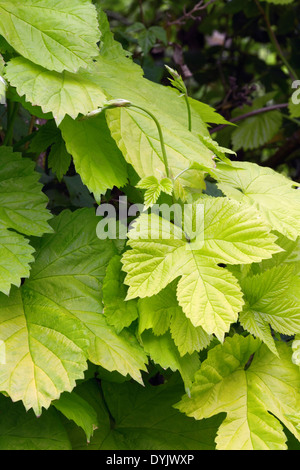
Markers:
{"x": 239, "y": 56}
{"x": 233, "y": 55}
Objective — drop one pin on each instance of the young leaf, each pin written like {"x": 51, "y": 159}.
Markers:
{"x": 58, "y": 35}
{"x": 154, "y": 187}
{"x": 252, "y": 396}
{"x": 162, "y": 312}
{"x": 209, "y": 295}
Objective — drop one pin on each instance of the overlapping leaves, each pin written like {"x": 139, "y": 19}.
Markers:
{"x": 54, "y": 322}
{"x": 256, "y": 397}
{"x": 22, "y": 211}
{"x": 276, "y": 197}
{"x": 58, "y": 35}
{"x": 181, "y": 286}
{"x": 209, "y": 295}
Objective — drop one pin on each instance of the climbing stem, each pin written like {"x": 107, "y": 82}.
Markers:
{"x": 189, "y": 111}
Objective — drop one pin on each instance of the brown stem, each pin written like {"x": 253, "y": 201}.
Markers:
{"x": 190, "y": 14}
{"x": 255, "y": 112}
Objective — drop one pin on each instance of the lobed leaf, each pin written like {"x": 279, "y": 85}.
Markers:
{"x": 253, "y": 397}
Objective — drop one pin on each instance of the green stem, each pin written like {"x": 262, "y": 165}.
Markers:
{"x": 161, "y": 138}
{"x": 294, "y": 120}
{"x": 12, "y": 112}
{"x": 273, "y": 39}
{"x": 189, "y": 111}
{"x": 181, "y": 173}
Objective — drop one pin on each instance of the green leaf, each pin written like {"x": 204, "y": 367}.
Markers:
{"x": 163, "y": 351}
{"x": 109, "y": 47}
{"x": 156, "y": 312}
{"x": 235, "y": 234}
{"x": 136, "y": 133}
{"x": 154, "y": 187}
{"x": 162, "y": 429}
{"x": 79, "y": 410}
{"x": 58, "y": 93}
{"x": 115, "y": 352}
{"x": 15, "y": 259}
{"x": 58, "y": 35}
{"x": 118, "y": 313}
{"x": 21, "y": 430}
{"x": 105, "y": 436}
{"x": 59, "y": 159}
{"x": 274, "y": 195}
{"x": 162, "y": 312}
{"x": 255, "y": 131}
{"x": 207, "y": 113}
{"x": 268, "y": 302}
{"x": 252, "y": 396}
{"x": 137, "y": 137}
{"x": 45, "y": 348}
{"x": 77, "y": 259}
{"x": 186, "y": 336}
{"x": 296, "y": 350}
{"x": 127, "y": 407}
{"x": 23, "y": 209}
{"x": 96, "y": 157}
{"x": 209, "y": 295}
{"x": 50, "y": 325}
{"x": 22, "y": 203}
